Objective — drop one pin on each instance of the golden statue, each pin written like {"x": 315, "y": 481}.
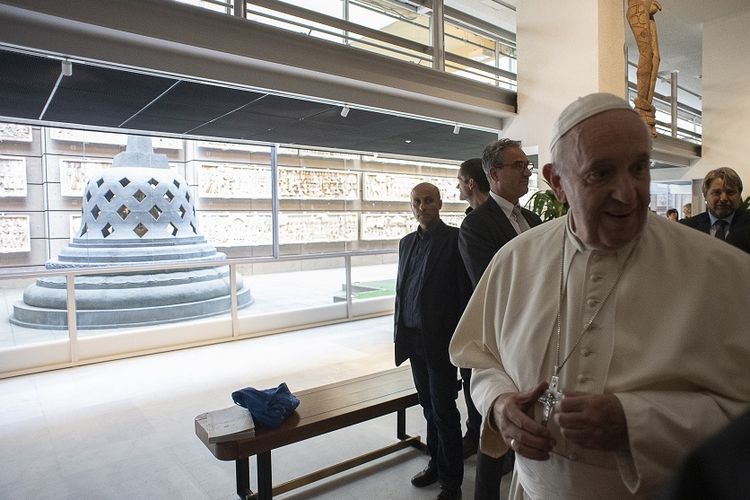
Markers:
{"x": 641, "y": 20}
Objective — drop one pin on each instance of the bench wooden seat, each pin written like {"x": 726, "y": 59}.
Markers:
{"x": 322, "y": 409}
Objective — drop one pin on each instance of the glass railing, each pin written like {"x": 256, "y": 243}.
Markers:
{"x": 85, "y": 315}
{"x": 471, "y": 49}
{"x": 685, "y": 123}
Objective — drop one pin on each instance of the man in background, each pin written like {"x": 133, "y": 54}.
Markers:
{"x": 431, "y": 293}
{"x": 723, "y": 218}
{"x": 483, "y": 232}
{"x": 473, "y": 188}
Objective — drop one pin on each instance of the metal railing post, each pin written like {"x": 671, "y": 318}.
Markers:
{"x": 233, "y": 298}
{"x": 70, "y": 291}
{"x": 240, "y": 8}
{"x": 275, "y": 200}
{"x": 437, "y": 30}
{"x": 673, "y": 107}
{"x": 348, "y": 269}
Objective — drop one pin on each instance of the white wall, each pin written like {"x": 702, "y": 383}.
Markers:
{"x": 726, "y": 97}
{"x": 565, "y": 50}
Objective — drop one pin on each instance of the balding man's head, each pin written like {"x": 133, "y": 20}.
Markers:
{"x": 600, "y": 166}
{"x": 426, "y": 204}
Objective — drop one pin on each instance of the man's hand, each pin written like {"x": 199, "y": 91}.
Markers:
{"x": 592, "y": 421}
{"x": 527, "y": 437}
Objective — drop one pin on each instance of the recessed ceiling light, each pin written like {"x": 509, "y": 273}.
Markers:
{"x": 408, "y": 141}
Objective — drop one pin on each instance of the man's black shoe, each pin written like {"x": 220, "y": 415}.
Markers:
{"x": 446, "y": 494}
{"x": 427, "y": 477}
{"x": 469, "y": 447}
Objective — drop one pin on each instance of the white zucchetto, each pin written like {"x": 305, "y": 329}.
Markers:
{"x": 583, "y": 108}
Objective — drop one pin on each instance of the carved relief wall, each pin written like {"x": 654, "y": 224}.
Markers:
{"x": 397, "y": 187}
{"x": 394, "y": 226}
{"x": 232, "y": 229}
{"x": 75, "y": 173}
{"x": 233, "y": 181}
{"x": 15, "y": 234}
{"x": 317, "y": 184}
{"x": 319, "y": 227}
{"x": 15, "y": 133}
{"x": 228, "y": 181}
{"x": 12, "y": 176}
{"x": 229, "y": 177}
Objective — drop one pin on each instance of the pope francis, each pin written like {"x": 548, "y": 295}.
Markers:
{"x": 608, "y": 343}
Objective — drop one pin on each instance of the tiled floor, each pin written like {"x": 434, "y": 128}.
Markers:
{"x": 124, "y": 429}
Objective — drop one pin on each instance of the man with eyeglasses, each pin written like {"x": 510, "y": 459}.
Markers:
{"x": 483, "y": 232}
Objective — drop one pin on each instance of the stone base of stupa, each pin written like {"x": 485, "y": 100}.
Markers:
{"x": 130, "y": 300}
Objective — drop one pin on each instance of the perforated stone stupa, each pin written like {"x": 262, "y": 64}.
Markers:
{"x": 137, "y": 212}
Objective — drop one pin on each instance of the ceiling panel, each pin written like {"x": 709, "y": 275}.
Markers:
{"x": 189, "y": 105}
{"x": 26, "y": 82}
{"x": 104, "y": 97}
{"x": 123, "y": 100}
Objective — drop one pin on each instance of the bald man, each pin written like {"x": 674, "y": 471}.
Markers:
{"x": 586, "y": 362}
{"x": 431, "y": 291}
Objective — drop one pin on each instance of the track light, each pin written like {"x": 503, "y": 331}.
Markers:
{"x": 456, "y": 128}
{"x": 344, "y": 111}
{"x": 67, "y": 67}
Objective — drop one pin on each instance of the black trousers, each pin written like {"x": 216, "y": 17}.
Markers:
{"x": 436, "y": 386}
{"x": 489, "y": 470}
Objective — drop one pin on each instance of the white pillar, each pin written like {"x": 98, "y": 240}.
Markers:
{"x": 565, "y": 50}
{"x": 726, "y": 97}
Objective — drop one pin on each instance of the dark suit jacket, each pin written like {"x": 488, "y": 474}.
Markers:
{"x": 717, "y": 469}
{"x": 483, "y": 232}
{"x": 739, "y": 231}
{"x": 445, "y": 290}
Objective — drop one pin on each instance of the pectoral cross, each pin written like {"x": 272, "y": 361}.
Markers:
{"x": 549, "y": 399}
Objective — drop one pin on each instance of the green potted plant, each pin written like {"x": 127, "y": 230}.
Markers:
{"x": 546, "y": 205}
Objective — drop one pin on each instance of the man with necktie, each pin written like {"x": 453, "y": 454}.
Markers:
{"x": 723, "y": 219}
{"x": 483, "y": 232}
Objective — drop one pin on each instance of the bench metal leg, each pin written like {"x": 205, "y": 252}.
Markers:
{"x": 242, "y": 472}
{"x": 401, "y": 424}
{"x": 265, "y": 484}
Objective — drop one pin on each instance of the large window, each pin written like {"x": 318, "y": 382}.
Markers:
{"x": 226, "y": 240}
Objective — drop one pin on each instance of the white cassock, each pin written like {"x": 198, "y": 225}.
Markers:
{"x": 672, "y": 343}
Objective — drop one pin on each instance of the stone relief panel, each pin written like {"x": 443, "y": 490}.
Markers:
{"x": 317, "y": 153}
{"x": 314, "y": 184}
{"x": 453, "y": 219}
{"x": 74, "y": 174}
{"x": 15, "y": 133}
{"x": 12, "y": 177}
{"x": 397, "y": 187}
{"x": 217, "y": 180}
{"x": 230, "y": 146}
{"x": 15, "y": 231}
{"x": 395, "y": 226}
{"x": 72, "y": 135}
{"x": 230, "y": 229}
{"x": 320, "y": 227}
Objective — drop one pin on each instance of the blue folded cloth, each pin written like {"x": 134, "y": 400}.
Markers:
{"x": 270, "y": 407}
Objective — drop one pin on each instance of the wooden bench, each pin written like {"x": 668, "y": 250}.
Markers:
{"x": 321, "y": 410}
